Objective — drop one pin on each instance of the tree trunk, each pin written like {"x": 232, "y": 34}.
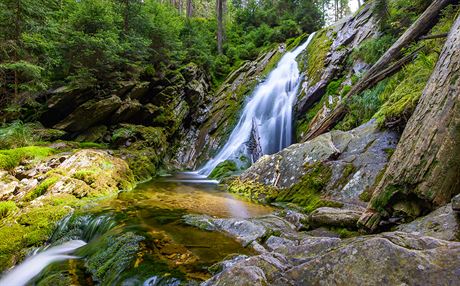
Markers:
{"x": 418, "y": 28}
{"x": 189, "y": 9}
{"x": 17, "y": 35}
{"x": 126, "y": 17}
{"x": 220, "y": 25}
{"x": 425, "y": 166}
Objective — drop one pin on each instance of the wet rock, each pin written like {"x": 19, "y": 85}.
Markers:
{"x": 296, "y": 218}
{"x": 89, "y": 114}
{"x": 126, "y": 112}
{"x": 307, "y": 248}
{"x": 275, "y": 242}
{"x": 326, "y": 216}
{"x": 442, "y": 223}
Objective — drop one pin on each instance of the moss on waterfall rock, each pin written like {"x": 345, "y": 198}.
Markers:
{"x": 224, "y": 169}
{"x": 316, "y": 54}
{"x": 252, "y": 190}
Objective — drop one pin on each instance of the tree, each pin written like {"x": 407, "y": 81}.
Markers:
{"x": 189, "y": 10}
{"x": 220, "y": 25}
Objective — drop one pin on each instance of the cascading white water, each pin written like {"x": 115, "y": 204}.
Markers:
{"x": 270, "y": 108}
{"x": 32, "y": 266}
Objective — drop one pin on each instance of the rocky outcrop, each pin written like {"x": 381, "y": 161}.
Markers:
{"x": 408, "y": 259}
{"x": 89, "y": 114}
{"x": 425, "y": 167}
{"x": 341, "y": 39}
{"x": 354, "y": 158}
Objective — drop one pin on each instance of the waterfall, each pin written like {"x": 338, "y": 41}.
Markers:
{"x": 270, "y": 107}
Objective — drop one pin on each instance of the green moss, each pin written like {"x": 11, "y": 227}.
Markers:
{"x": 9, "y": 159}
{"x": 223, "y": 169}
{"x": 293, "y": 43}
{"x": 343, "y": 232}
{"x": 317, "y": 51}
{"x": 307, "y": 192}
{"x": 334, "y": 86}
{"x": 380, "y": 202}
{"x": 7, "y": 208}
{"x": 89, "y": 176}
{"x": 348, "y": 171}
{"x": 41, "y": 189}
{"x": 92, "y": 145}
{"x": 252, "y": 190}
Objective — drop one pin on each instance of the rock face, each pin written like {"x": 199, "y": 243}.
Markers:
{"x": 425, "y": 167}
{"x": 345, "y": 36}
{"x": 355, "y": 158}
{"x": 89, "y": 114}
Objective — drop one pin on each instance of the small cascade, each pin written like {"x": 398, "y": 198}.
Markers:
{"x": 269, "y": 111}
{"x": 33, "y": 265}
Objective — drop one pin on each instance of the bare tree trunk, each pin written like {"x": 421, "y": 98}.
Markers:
{"x": 189, "y": 9}
{"x": 426, "y": 162}
{"x": 17, "y": 35}
{"x": 220, "y": 25}
{"x": 126, "y": 17}
{"x": 423, "y": 23}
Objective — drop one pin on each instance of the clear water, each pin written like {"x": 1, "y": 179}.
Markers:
{"x": 270, "y": 107}
{"x": 153, "y": 210}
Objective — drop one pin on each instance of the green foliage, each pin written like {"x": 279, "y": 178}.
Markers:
{"x": 372, "y": 49}
{"x": 16, "y": 135}
{"x": 41, "y": 189}
{"x": 362, "y": 108}
{"x": 223, "y": 169}
{"x": 7, "y": 208}
{"x": 11, "y": 158}
{"x": 404, "y": 89}
{"x": 86, "y": 175}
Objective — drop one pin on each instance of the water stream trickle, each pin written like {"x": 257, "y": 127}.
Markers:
{"x": 270, "y": 108}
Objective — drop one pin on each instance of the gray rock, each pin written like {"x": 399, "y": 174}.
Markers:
{"x": 387, "y": 259}
{"x": 456, "y": 203}
{"x": 356, "y": 157}
{"x": 275, "y": 242}
{"x": 326, "y": 216}
{"x": 442, "y": 223}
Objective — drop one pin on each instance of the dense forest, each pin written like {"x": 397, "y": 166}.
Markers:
{"x": 229, "y": 142}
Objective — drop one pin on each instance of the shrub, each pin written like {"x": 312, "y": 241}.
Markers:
{"x": 9, "y": 159}
{"x": 17, "y": 134}
{"x": 372, "y": 49}
{"x": 6, "y": 208}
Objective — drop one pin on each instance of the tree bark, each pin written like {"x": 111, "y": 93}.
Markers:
{"x": 418, "y": 28}
{"x": 426, "y": 162}
{"x": 189, "y": 12}
{"x": 220, "y": 25}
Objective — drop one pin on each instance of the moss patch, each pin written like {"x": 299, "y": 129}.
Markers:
{"x": 223, "y": 170}
{"x": 316, "y": 54}
{"x": 9, "y": 159}
{"x": 252, "y": 190}
{"x": 307, "y": 192}
{"x": 41, "y": 188}
{"x": 7, "y": 208}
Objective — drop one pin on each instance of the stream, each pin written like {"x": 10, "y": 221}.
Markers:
{"x": 151, "y": 214}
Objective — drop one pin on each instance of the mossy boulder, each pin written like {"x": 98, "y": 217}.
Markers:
{"x": 224, "y": 169}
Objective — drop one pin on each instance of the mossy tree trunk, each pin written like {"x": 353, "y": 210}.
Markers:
{"x": 426, "y": 163}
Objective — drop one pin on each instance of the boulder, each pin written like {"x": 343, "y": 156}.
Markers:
{"x": 456, "y": 203}
{"x": 354, "y": 159}
{"x": 127, "y": 111}
{"x": 89, "y": 114}
{"x": 326, "y": 216}
{"x": 92, "y": 134}
{"x": 139, "y": 91}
